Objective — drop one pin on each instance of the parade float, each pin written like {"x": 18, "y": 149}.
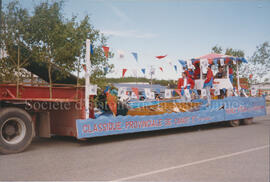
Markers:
{"x": 188, "y": 108}
{"x": 65, "y": 110}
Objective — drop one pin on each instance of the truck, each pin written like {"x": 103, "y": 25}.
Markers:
{"x": 27, "y": 111}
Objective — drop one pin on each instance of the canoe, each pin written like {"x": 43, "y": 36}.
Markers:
{"x": 165, "y": 107}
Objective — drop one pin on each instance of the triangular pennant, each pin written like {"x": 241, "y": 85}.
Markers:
{"x": 121, "y": 54}
{"x": 135, "y": 55}
{"x": 182, "y": 62}
{"x": 143, "y": 70}
{"x": 106, "y": 51}
{"x": 123, "y": 72}
{"x": 175, "y": 68}
{"x": 106, "y": 70}
{"x": 161, "y": 57}
{"x": 161, "y": 69}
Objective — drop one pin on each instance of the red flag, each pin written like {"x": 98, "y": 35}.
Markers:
{"x": 136, "y": 91}
{"x": 123, "y": 72}
{"x": 106, "y": 50}
{"x": 161, "y": 57}
{"x": 161, "y": 69}
{"x": 84, "y": 67}
{"x": 250, "y": 76}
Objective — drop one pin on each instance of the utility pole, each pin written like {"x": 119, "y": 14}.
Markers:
{"x": 0, "y": 16}
{"x": 1, "y": 27}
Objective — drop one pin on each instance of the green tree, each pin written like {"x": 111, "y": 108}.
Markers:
{"x": 13, "y": 42}
{"x": 217, "y": 49}
{"x": 49, "y": 38}
{"x": 259, "y": 64}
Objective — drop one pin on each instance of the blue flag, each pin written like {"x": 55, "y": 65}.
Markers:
{"x": 135, "y": 55}
{"x": 175, "y": 67}
{"x": 143, "y": 70}
{"x": 182, "y": 62}
{"x": 106, "y": 70}
{"x": 91, "y": 49}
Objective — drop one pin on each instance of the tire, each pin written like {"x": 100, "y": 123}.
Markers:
{"x": 16, "y": 130}
{"x": 247, "y": 121}
{"x": 234, "y": 123}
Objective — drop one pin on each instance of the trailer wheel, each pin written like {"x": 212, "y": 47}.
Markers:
{"x": 16, "y": 130}
{"x": 247, "y": 121}
{"x": 234, "y": 123}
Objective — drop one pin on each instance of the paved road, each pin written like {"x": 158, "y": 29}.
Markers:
{"x": 198, "y": 154}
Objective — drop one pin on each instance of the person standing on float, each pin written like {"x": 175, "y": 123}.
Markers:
{"x": 208, "y": 83}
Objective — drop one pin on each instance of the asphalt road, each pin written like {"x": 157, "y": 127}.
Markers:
{"x": 208, "y": 153}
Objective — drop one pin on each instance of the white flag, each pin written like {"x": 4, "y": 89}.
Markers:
{"x": 93, "y": 90}
{"x": 221, "y": 62}
{"x": 122, "y": 91}
{"x": 203, "y": 92}
{"x": 253, "y": 92}
{"x": 168, "y": 93}
{"x": 217, "y": 92}
{"x": 152, "y": 95}
{"x": 147, "y": 92}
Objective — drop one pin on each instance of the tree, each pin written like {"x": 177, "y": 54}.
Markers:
{"x": 49, "y": 38}
{"x": 217, "y": 49}
{"x": 13, "y": 42}
{"x": 259, "y": 64}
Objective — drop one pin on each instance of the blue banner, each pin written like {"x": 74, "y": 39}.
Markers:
{"x": 219, "y": 110}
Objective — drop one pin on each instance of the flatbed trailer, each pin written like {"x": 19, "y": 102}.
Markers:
{"x": 28, "y": 111}
{"x": 34, "y": 113}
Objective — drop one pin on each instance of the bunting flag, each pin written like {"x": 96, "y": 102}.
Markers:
{"x": 134, "y": 71}
{"x": 161, "y": 69}
{"x": 136, "y": 91}
{"x": 135, "y": 55}
{"x": 84, "y": 67}
{"x": 250, "y": 76}
{"x": 143, "y": 70}
{"x": 182, "y": 62}
{"x": 106, "y": 70}
{"x": 106, "y": 51}
{"x": 161, "y": 57}
{"x": 175, "y": 67}
{"x": 91, "y": 49}
{"x": 121, "y": 54}
{"x": 123, "y": 72}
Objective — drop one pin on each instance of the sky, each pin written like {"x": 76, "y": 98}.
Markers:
{"x": 177, "y": 28}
